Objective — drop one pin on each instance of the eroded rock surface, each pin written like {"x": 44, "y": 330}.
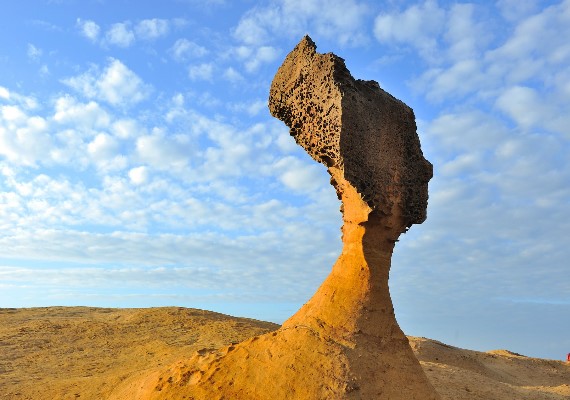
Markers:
{"x": 344, "y": 343}
{"x": 355, "y": 126}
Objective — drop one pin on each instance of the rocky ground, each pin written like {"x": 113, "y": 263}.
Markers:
{"x": 86, "y": 353}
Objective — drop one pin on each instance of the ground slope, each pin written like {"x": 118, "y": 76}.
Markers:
{"x": 86, "y": 353}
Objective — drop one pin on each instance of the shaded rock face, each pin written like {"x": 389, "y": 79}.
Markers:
{"x": 344, "y": 343}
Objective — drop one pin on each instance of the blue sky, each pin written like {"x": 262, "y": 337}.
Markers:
{"x": 139, "y": 165}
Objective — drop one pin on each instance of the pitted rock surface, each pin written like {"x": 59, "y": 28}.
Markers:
{"x": 353, "y": 125}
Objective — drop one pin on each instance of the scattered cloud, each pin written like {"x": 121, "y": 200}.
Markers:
{"x": 127, "y": 129}
{"x": 514, "y": 10}
{"x": 206, "y": 3}
{"x": 139, "y": 175}
{"x": 120, "y": 34}
{"x": 70, "y": 111}
{"x": 44, "y": 70}
{"x": 250, "y": 108}
{"x": 300, "y": 176}
{"x": 418, "y": 26}
{"x": 523, "y": 105}
{"x": 4, "y": 93}
{"x": 23, "y": 138}
{"x": 458, "y": 80}
{"x": 28, "y": 103}
{"x": 333, "y": 19}
{"x": 529, "y": 109}
{"x": 184, "y": 49}
{"x": 262, "y": 55}
{"x": 33, "y": 52}
{"x": 150, "y": 29}
{"x": 103, "y": 147}
{"x": 89, "y": 29}
{"x": 232, "y": 75}
{"x": 164, "y": 152}
{"x": 202, "y": 72}
{"x": 126, "y": 33}
{"x": 115, "y": 84}
{"x": 465, "y": 34}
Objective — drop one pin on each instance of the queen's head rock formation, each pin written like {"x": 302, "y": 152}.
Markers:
{"x": 344, "y": 343}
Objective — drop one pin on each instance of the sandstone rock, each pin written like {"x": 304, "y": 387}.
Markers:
{"x": 344, "y": 343}
{"x": 355, "y": 126}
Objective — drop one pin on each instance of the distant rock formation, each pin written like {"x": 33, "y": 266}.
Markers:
{"x": 344, "y": 343}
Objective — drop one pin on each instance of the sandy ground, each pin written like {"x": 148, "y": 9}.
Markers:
{"x": 81, "y": 352}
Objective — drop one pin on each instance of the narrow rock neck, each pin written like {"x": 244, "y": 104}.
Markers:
{"x": 354, "y": 298}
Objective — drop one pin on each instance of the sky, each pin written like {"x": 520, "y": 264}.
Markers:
{"x": 140, "y": 167}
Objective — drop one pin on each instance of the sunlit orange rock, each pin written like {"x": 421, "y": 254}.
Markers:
{"x": 344, "y": 343}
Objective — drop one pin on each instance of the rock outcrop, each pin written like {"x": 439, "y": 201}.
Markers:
{"x": 344, "y": 343}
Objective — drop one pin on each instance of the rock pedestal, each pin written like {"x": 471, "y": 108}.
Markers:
{"x": 344, "y": 343}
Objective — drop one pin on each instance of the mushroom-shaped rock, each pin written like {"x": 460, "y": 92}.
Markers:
{"x": 344, "y": 343}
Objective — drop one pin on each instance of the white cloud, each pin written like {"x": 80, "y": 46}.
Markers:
{"x": 24, "y": 140}
{"x": 206, "y": 3}
{"x": 80, "y": 115}
{"x": 12, "y": 113}
{"x": 150, "y": 29}
{"x": 44, "y": 70}
{"x": 300, "y": 176}
{"x": 34, "y": 53}
{"x": 523, "y": 105}
{"x": 103, "y": 147}
{"x": 427, "y": 27}
{"x": 231, "y": 147}
{"x": 89, "y": 29}
{"x": 516, "y": 9}
{"x": 539, "y": 36}
{"x": 530, "y": 56}
{"x": 243, "y": 52}
{"x": 250, "y": 108}
{"x": 232, "y": 75}
{"x": 284, "y": 141}
{"x": 252, "y": 28}
{"x": 120, "y": 34}
{"x": 459, "y": 79}
{"x": 466, "y": 36}
{"x": 70, "y": 149}
{"x": 262, "y": 55}
{"x": 164, "y": 152}
{"x": 530, "y": 109}
{"x": 117, "y": 203}
{"x": 124, "y": 34}
{"x": 462, "y": 164}
{"x": 27, "y": 103}
{"x": 4, "y": 93}
{"x": 204, "y": 72}
{"x": 341, "y": 20}
{"x": 464, "y": 132}
{"x": 139, "y": 175}
{"x": 418, "y": 26}
{"x": 51, "y": 202}
{"x": 116, "y": 84}
{"x": 256, "y": 107}
{"x": 177, "y": 109}
{"x": 119, "y": 85}
{"x": 184, "y": 49}
{"x": 226, "y": 145}
{"x": 127, "y": 128}
{"x": 334, "y": 19}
